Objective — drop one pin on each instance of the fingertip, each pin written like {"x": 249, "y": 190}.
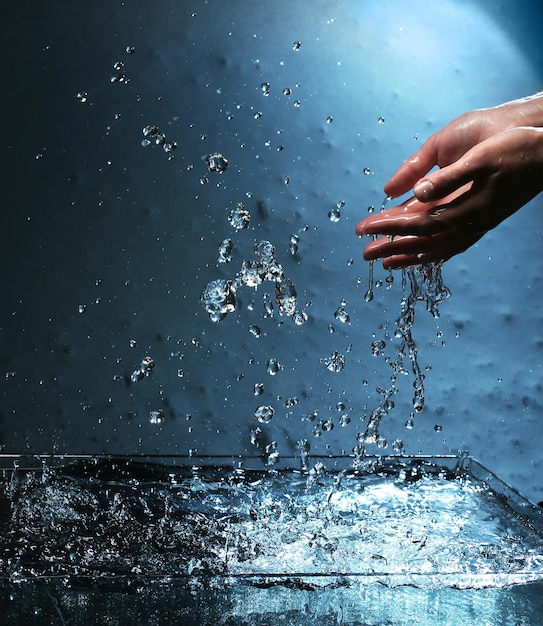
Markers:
{"x": 424, "y": 190}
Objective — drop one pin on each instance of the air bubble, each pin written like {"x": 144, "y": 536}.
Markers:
{"x": 367, "y": 171}
{"x": 296, "y": 46}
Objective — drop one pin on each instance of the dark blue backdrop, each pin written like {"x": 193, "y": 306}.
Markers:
{"x": 107, "y": 245}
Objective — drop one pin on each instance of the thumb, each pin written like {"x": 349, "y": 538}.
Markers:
{"x": 448, "y": 179}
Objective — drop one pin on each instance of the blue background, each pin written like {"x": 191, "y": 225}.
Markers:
{"x": 94, "y": 221}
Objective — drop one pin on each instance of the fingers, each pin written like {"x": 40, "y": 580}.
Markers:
{"x": 412, "y": 250}
{"x": 411, "y": 171}
{"x": 450, "y": 179}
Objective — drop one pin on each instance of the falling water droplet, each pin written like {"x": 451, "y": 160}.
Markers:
{"x": 273, "y": 366}
{"x": 216, "y": 162}
{"x": 239, "y": 217}
{"x": 264, "y": 414}
{"x": 156, "y": 417}
{"x": 334, "y": 215}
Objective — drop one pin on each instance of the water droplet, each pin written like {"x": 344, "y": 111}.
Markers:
{"x": 287, "y": 91}
{"x": 296, "y": 45}
{"x": 218, "y": 298}
{"x": 381, "y": 120}
{"x": 328, "y": 425}
{"x": 257, "y": 115}
{"x": 285, "y": 296}
{"x": 297, "y": 104}
{"x": 371, "y": 208}
{"x": 329, "y": 119}
{"x": 258, "y": 389}
{"x": 377, "y": 347}
{"x": 265, "y": 88}
{"x": 216, "y": 162}
{"x": 256, "y": 436}
{"x": 286, "y": 180}
{"x": 156, "y": 417}
{"x": 130, "y": 49}
{"x": 239, "y": 217}
{"x": 334, "y": 215}
{"x": 255, "y": 330}
{"x": 342, "y": 316}
{"x": 344, "y": 420}
{"x": 367, "y": 171}
{"x": 180, "y": 373}
{"x": 273, "y": 457}
{"x": 290, "y": 402}
{"x": 147, "y": 365}
{"x": 299, "y": 317}
{"x": 335, "y": 363}
{"x": 438, "y": 428}
{"x": 82, "y": 308}
{"x": 118, "y": 66}
{"x": 273, "y": 366}
{"x": 169, "y": 147}
{"x": 398, "y": 446}
{"x": 82, "y": 96}
{"x": 264, "y": 414}
{"x": 149, "y": 130}
{"x": 225, "y": 251}
{"x": 132, "y": 343}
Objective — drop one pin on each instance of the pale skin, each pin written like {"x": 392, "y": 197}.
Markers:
{"x": 490, "y": 165}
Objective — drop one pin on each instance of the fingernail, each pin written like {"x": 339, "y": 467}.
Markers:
{"x": 423, "y": 189}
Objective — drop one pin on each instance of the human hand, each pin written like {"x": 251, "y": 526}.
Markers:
{"x": 486, "y": 175}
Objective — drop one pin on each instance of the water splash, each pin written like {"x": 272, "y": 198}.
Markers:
{"x": 425, "y": 285}
{"x": 219, "y": 296}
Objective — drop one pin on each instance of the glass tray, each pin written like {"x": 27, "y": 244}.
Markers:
{"x": 230, "y": 540}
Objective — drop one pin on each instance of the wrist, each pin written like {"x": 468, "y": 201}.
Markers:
{"x": 526, "y": 111}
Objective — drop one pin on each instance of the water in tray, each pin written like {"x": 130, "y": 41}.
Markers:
{"x": 229, "y": 542}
